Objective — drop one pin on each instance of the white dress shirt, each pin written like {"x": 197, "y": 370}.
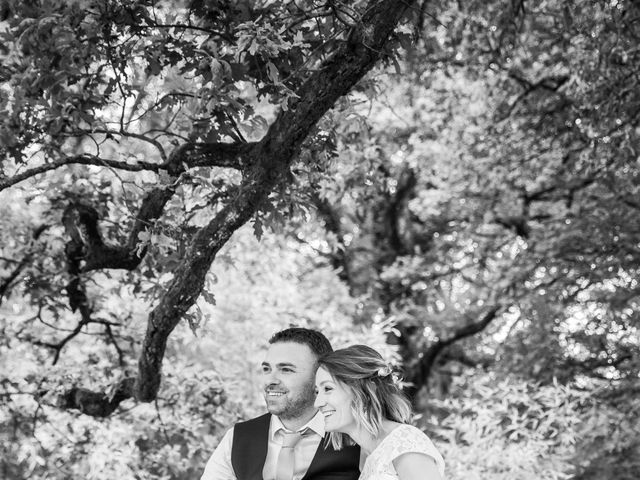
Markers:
{"x": 219, "y": 465}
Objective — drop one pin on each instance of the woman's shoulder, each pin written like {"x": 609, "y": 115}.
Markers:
{"x": 408, "y": 429}
{"x": 399, "y": 440}
{"x": 405, "y": 435}
{"x": 410, "y": 439}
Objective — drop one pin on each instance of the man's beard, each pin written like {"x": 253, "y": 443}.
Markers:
{"x": 295, "y": 407}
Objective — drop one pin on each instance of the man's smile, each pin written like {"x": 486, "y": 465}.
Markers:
{"x": 273, "y": 393}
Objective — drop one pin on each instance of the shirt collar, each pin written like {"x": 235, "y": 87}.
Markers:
{"x": 316, "y": 424}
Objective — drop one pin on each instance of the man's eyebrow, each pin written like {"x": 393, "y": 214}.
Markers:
{"x": 286, "y": 364}
{"x": 280, "y": 365}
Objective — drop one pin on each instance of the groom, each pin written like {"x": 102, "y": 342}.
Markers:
{"x": 288, "y": 442}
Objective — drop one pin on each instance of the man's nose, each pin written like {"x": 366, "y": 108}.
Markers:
{"x": 270, "y": 378}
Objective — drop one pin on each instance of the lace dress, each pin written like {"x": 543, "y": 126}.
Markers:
{"x": 403, "y": 439}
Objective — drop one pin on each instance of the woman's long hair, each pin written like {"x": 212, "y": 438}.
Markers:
{"x": 376, "y": 395}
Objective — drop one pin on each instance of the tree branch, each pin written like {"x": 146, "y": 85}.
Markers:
{"x": 4, "y": 286}
{"x": 87, "y": 246}
{"x": 189, "y": 155}
{"x": 226, "y": 155}
{"x": 84, "y": 159}
{"x": 551, "y": 83}
{"x": 418, "y": 374}
{"x": 96, "y": 404}
{"x": 396, "y": 211}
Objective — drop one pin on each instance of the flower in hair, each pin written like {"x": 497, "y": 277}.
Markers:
{"x": 384, "y": 371}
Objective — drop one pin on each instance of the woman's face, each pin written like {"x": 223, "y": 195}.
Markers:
{"x": 334, "y": 400}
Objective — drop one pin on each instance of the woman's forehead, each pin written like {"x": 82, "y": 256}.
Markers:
{"x": 323, "y": 375}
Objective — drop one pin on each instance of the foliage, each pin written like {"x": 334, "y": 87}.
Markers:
{"x": 510, "y": 429}
{"x": 471, "y": 198}
{"x": 469, "y": 207}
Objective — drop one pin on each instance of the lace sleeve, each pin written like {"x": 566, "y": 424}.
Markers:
{"x": 411, "y": 440}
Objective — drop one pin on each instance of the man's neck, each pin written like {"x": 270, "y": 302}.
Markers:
{"x": 294, "y": 424}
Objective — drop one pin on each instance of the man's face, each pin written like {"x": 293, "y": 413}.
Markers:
{"x": 289, "y": 374}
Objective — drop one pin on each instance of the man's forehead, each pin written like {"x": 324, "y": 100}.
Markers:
{"x": 289, "y": 352}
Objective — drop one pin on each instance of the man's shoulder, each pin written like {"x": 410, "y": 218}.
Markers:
{"x": 249, "y": 441}
{"x": 266, "y": 418}
{"x": 253, "y": 425}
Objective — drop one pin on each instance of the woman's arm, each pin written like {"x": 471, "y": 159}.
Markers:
{"x": 416, "y": 466}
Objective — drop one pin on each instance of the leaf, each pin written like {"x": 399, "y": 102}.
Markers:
{"x": 194, "y": 318}
{"x": 144, "y": 238}
{"x": 208, "y": 297}
{"x": 273, "y": 73}
{"x": 258, "y": 227}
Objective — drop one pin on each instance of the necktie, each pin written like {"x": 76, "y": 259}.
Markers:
{"x": 284, "y": 467}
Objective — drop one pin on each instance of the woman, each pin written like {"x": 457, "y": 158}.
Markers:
{"x": 361, "y": 403}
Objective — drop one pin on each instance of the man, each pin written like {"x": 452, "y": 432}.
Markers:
{"x": 288, "y": 442}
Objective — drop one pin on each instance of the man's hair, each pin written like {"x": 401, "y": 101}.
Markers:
{"x": 376, "y": 395}
{"x": 315, "y": 340}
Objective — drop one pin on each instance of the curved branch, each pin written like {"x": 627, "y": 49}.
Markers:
{"x": 87, "y": 246}
{"x": 151, "y": 141}
{"x": 189, "y": 155}
{"x": 4, "y": 285}
{"x": 224, "y": 155}
{"x": 418, "y": 375}
{"x": 86, "y": 250}
{"x": 57, "y": 347}
{"x": 96, "y": 404}
{"x": 83, "y": 159}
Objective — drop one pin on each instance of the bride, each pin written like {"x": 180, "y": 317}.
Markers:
{"x": 362, "y": 404}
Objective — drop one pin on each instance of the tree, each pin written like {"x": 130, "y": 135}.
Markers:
{"x": 165, "y": 80}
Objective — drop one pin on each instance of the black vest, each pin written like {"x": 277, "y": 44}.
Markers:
{"x": 249, "y": 452}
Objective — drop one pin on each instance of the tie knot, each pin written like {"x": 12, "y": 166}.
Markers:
{"x": 290, "y": 439}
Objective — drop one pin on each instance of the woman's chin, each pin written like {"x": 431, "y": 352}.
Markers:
{"x": 329, "y": 428}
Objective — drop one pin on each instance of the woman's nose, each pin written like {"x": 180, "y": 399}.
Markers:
{"x": 319, "y": 401}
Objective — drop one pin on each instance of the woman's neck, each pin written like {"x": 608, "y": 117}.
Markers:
{"x": 368, "y": 442}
